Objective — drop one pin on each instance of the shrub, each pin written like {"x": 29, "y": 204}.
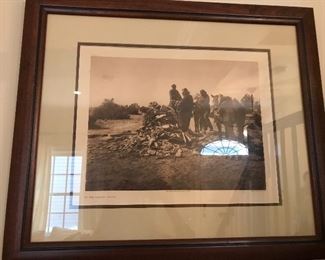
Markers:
{"x": 107, "y": 110}
{"x": 133, "y": 109}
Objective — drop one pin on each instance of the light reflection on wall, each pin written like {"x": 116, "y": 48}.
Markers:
{"x": 63, "y": 208}
{"x": 224, "y": 147}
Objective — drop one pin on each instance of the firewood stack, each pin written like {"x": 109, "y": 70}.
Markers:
{"x": 159, "y": 136}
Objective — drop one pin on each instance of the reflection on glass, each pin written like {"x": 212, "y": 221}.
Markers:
{"x": 64, "y": 192}
{"x": 57, "y": 204}
{"x": 74, "y": 183}
{"x": 72, "y": 205}
{"x": 71, "y": 221}
{"x": 59, "y": 183}
{"x": 224, "y": 147}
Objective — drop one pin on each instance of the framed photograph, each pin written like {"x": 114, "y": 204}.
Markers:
{"x": 146, "y": 142}
{"x": 167, "y": 129}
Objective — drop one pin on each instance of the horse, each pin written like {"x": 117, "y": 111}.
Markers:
{"x": 229, "y": 112}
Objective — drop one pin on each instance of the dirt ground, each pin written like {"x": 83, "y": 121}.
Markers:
{"x": 108, "y": 170}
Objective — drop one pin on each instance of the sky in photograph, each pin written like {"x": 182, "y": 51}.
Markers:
{"x": 143, "y": 80}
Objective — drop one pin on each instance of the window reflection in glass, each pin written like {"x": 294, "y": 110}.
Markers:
{"x": 64, "y": 192}
{"x": 224, "y": 147}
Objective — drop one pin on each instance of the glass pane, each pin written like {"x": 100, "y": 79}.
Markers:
{"x": 71, "y": 221}
{"x": 73, "y": 183}
{"x": 60, "y": 164}
{"x": 57, "y": 204}
{"x": 56, "y": 220}
{"x": 59, "y": 183}
{"x": 75, "y": 164}
{"x": 72, "y": 204}
{"x": 132, "y": 158}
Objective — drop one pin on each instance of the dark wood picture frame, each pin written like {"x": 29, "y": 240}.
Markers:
{"x": 17, "y": 244}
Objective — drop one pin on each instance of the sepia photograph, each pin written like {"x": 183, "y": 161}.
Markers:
{"x": 172, "y": 124}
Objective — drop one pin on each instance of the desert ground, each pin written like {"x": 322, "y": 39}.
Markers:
{"x": 109, "y": 168}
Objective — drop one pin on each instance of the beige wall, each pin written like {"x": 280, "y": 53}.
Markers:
{"x": 11, "y": 25}
{"x": 11, "y": 17}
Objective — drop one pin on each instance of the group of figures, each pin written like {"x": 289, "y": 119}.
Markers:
{"x": 230, "y": 116}
{"x": 186, "y": 107}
